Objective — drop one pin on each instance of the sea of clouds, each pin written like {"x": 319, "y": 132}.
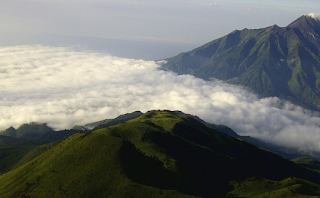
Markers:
{"x": 64, "y": 87}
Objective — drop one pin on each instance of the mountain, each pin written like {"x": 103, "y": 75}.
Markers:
{"x": 90, "y": 126}
{"x": 10, "y": 156}
{"x": 115, "y": 121}
{"x": 36, "y": 138}
{"x": 157, "y": 154}
{"x": 308, "y": 162}
{"x": 10, "y": 132}
{"x": 6, "y": 141}
{"x": 33, "y": 130}
{"x": 16, "y": 150}
{"x": 272, "y": 61}
{"x": 29, "y": 131}
{"x": 289, "y": 153}
{"x": 33, "y": 134}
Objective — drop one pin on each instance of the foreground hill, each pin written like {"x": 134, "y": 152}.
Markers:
{"x": 158, "y": 154}
{"x": 272, "y": 61}
{"x": 93, "y": 165}
{"x": 34, "y": 139}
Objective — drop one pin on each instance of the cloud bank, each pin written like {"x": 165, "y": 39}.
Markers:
{"x": 64, "y": 87}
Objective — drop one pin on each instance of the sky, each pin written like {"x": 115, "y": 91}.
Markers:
{"x": 72, "y": 62}
{"x": 146, "y": 29}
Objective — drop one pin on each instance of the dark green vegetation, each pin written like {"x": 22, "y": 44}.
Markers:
{"x": 89, "y": 165}
{"x": 290, "y": 153}
{"x": 12, "y": 157}
{"x": 158, "y": 154}
{"x": 12, "y": 141}
{"x": 119, "y": 119}
{"x": 308, "y": 162}
{"x": 9, "y": 156}
{"x": 27, "y": 142}
{"x": 18, "y": 146}
{"x": 273, "y": 61}
{"x": 33, "y": 133}
{"x": 260, "y": 188}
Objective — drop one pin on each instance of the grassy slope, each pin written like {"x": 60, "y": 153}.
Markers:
{"x": 308, "y": 162}
{"x": 119, "y": 119}
{"x": 17, "y": 151}
{"x": 37, "y": 151}
{"x": 187, "y": 147}
{"x": 13, "y": 157}
{"x": 85, "y": 165}
{"x": 260, "y": 188}
{"x": 179, "y": 156}
{"x": 9, "y": 156}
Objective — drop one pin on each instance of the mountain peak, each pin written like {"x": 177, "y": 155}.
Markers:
{"x": 276, "y": 52}
{"x": 308, "y": 20}
{"x": 309, "y": 26}
{"x": 272, "y": 28}
{"x": 12, "y": 132}
{"x": 314, "y": 16}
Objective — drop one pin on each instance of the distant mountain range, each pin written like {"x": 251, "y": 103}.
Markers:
{"x": 272, "y": 61}
{"x": 32, "y": 130}
{"x": 156, "y": 154}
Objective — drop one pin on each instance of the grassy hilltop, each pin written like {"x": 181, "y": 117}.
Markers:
{"x": 158, "y": 154}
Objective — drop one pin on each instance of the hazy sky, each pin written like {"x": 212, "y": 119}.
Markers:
{"x": 162, "y": 27}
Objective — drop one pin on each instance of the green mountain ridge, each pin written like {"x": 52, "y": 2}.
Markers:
{"x": 78, "y": 168}
{"x": 158, "y": 154}
{"x": 19, "y": 145}
{"x": 272, "y": 61}
{"x": 308, "y": 162}
{"x": 289, "y": 153}
{"x": 29, "y": 131}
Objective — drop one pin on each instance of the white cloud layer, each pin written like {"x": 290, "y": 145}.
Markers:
{"x": 63, "y": 87}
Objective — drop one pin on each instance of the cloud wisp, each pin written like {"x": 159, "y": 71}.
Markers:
{"x": 314, "y": 15}
{"x": 63, "y": 87}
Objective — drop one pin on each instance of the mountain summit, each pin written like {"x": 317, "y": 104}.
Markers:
{"x": 272, "y": 61}
{"x": 309, "y": 26}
